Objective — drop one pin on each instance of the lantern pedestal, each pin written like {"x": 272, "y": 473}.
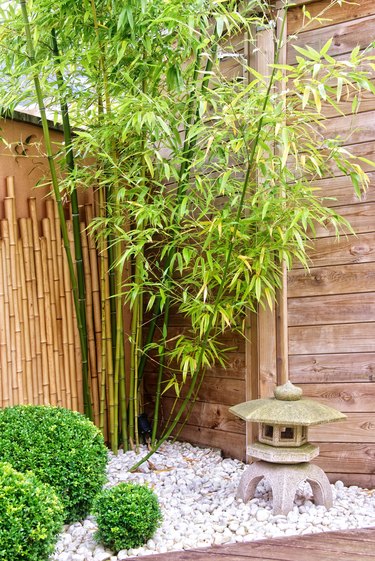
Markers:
{"x": 284, "y": 480}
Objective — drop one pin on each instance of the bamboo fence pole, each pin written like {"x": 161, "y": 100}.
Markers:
{"x": 39, "y": 361}
{"x": 90, "y": 325}
{"x": 70, "y": 336}
{"x": 4, "y": 349}
{"x": 16, "y": 278}
{"x": 77, "y": 351}
{"x": 95, "y": 293}
{"x": 51, "y": 375}
{"x": 10, "y": 318}
{"x": 47, "y": 359}
{"x": 68, "y": 352}
{"x": 51, "y": 316}
{"x": 28, "y": 377}
{"x": 32, "y": 348}
{"x": 13, "y": 300}
{"x": 55, "y": 291}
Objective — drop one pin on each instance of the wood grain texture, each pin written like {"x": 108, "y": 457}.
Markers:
{"x": 343, "y": 251}
{"x": 358, "y": 427}
{"x": 332, "y": 338}
{"x": 340, "y": 279}
{"x": 338, "y": 308}
{"x": 231, "y": 444}
{"x": 227, "y": 391}
{"x": 332, "y": 16}
{"x": 339, "y": 191}
{"x": 361, "y": 217}
{"x": 350, "y": 129}
{"x": 346, "y": 397}
{"x": 346, "y": 458}
{"x": 346, "y": 36}
{"x": 351, "y": 545}
{"x": 327, "y": 368}
{"x": 215, "y": 416}
{"x": 366, "y": 481}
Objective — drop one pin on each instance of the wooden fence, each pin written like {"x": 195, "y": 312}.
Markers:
{"x": 39, "y": 344}
{"x": 330, "y": 311}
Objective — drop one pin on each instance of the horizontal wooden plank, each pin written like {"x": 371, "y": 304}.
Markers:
{"x": 232, "y": 445}
{"x": 343, "y": 251}
{"x": 366, "y": 481}
{"x": 344, "y": 279}
{"x": 346, "y": 458}
{"x": 332, "y": 16}
{"x": 353, "y": 337}
{"x": 358, "y": 427}
{"x": 325, "y": 368}
{"x": 319, "y": 547}
{"x": 229, "y": 339}
{"x": 338, "y": 308}
{"x": 363, "y": 150}
{"x": 226, "y": 391}
{"x": 346, "y": 397}
{"x": 350, "y": 129}
{"x": 339, "y": 191}
{"x": 235, "y": 367}
{"x": 208, "y": 415}
{"x": 346, "y": 36}
{"x": 361, "y": 217}
{"x": 367, "y": 103}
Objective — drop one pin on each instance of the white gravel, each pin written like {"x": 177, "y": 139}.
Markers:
{"x": 196, "y": 489}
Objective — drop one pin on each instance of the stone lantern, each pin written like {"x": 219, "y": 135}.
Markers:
{"x": 282, "y": 451}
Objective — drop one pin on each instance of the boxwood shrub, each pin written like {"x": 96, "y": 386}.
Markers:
{"x": 127, "y": 516}
{"x": 31, "y": 515}
{"x": 61, "y": 447}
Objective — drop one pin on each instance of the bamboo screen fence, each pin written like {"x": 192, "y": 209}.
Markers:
{"x": 39, "y": 342}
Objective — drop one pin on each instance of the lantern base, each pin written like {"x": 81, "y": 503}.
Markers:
{"x": 284, "y": 481}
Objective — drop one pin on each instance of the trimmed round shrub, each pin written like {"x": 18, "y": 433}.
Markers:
{"x": 127, "y": 516}
{"x": 61, "y": 447}
{"x": 31, "y": 515}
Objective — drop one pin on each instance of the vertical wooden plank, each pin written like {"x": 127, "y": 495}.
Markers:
{"x": 266, "y": 316}
{"x": 282, "y": 353}
{"x": 251, "y": 342}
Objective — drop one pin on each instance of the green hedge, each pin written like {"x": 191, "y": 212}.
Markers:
{"x": 31, "y": 515}
{"x": 127, "y": 516}
{"x": 63, "y": 448}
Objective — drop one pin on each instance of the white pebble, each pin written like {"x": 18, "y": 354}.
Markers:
{"x": 196, "y": 490}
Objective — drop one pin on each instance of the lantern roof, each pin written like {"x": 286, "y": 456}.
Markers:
{"x": 288, "y": 407}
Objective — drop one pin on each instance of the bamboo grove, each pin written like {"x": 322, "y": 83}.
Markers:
{"x": 204, "y": 182}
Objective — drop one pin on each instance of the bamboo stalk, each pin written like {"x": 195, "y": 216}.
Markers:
{"x": 90, "y": 325}
{"x": 76, "y": 338}
{"x": 51, "y": 315}
{"x": 37, "y": 352}
{"x": 68, "y": 358}
{"x": 28, "y": 381}
{"x": 16, "y": 278}
{"x": 10, "y": 317}
{"x": 51, "y": 377}
{"x": 13, "y": 300}
{"x": 4, "y": 349}
{"x": 29, "y": 302}
{"x": 47, "y": 359}
{"x": 95, "y": 293}
{"x": 70, "y": 336}
{"x": 55, "y": 291}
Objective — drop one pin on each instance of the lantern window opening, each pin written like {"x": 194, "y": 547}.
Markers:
{"x": 287, "y": 433}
